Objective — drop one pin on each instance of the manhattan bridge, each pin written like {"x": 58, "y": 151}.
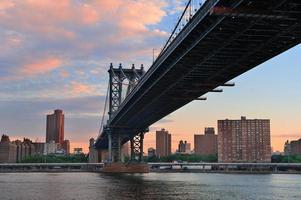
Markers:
{"x": 213, "y": 42}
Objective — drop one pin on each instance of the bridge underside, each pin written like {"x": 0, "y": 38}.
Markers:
{"x": 224, "y": 39}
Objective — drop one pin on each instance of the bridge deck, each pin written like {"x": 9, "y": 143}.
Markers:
{"x": 216, "y": 46}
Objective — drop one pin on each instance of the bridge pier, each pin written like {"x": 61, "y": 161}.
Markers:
{"x": 137, "y": 147}
{"x": 115, "y": 164}
{"x": 114, "y": 147}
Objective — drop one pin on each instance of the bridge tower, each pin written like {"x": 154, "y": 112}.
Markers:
{"x": 121, "y": 83}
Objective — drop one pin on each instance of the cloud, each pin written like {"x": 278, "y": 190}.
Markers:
{"x": 55, "y": 54}
{"x": 31, "y": 68}
{"x": 6, "y": 4}
{"x": 42, "y": 36}
{"x": 81, "y": 88}
{"x": 41, "y": 66}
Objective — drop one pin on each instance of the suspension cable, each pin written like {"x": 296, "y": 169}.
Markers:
{"x": 104, "y": 109}
{"x": 189, "y": 11}
{"x": 175, "y": 29}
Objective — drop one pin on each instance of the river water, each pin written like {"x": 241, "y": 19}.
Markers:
{"x": 65, "y": 186}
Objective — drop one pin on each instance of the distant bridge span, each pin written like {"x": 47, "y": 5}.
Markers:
{"x": 220, "y": 41}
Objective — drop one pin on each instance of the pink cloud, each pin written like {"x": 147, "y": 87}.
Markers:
{"x": 46, "y": 17}
{"x": 132, "y": 17}
{"x": 6, "y": 4}
{"x": 41, "y": 66}
{"x": 75, "y": 30}
{"x": 89, "y": 15}
{"x": 32, "y": 68}
{"x": 80, "y": 88}
{"x": 51, "y": 17}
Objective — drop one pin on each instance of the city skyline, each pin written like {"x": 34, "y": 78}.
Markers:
{"x": 149, "y": 142}
{"x": 41, "y": 70}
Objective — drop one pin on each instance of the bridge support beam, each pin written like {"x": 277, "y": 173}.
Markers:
{"x": 115, "y": 165}
{"x": 137, "y": 147}
{"x": 114, "y": 147}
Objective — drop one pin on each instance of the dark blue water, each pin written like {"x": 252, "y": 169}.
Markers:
{"x": 59, "y": 186}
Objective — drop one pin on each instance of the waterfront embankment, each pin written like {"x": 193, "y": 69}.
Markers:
{"x": 245, "y": 168}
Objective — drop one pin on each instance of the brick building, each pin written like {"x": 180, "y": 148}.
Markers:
{"x": 55, "y": 131}
{"x": 206, "y": 144}
{"x": 163, "y": 143}
{"x": 244, "y": 140}
{"x": 55, "y": 127}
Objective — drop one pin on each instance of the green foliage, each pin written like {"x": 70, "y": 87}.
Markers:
{"x": 286, "y": 159}
{"x": 183, "y": 157}
{"x": 56, "y": 159}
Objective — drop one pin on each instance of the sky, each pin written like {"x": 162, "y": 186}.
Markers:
{"x": 55, "y": 55}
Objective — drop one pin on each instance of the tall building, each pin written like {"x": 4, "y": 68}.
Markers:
{"x": 163, "y": 143}
{"x": 244, "y": 140}
{"x": 293, "y": 147}
{"x": 184, "y": 147}
{"x": 206, "y": 144}
{"x": 55, "y": 127}
{"x": 8, "y": 150}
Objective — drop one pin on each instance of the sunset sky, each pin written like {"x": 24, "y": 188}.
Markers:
{"x": 55, "y": 54}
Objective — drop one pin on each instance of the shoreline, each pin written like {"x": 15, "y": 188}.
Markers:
{"x": 222, "y": 168}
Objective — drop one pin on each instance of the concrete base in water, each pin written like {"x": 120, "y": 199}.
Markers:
{"x": 126, "y": 168}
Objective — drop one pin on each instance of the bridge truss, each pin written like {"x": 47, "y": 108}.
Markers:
{"x": 121, "y": 83}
